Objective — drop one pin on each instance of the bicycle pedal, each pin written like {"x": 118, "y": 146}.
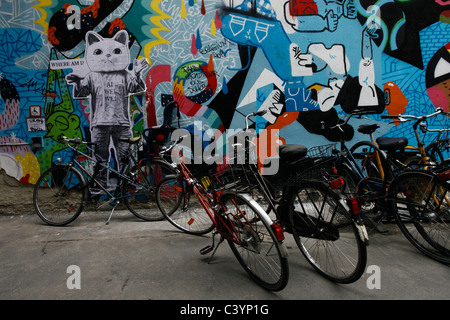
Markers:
{"x": 206, "y": 250}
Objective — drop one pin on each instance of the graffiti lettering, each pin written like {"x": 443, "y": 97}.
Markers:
{"x": 33, "y": 85}
{"x": 213, "y": 46}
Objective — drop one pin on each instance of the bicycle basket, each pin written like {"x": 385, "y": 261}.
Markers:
{"x": 230, "y": 176}
{"x": 318, "y": 165}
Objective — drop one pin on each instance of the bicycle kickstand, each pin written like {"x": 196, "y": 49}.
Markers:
{"x": 212, "y": 247}
{"x": 112, "y": 211}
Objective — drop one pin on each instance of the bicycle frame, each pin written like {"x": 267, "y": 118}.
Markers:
{"x": 278, "y": 205}
{"x": 114, "y": 196}
{"x": 212, "y": 204}
{"x": 378, "y": 188}
{"x": 425, "y": 159}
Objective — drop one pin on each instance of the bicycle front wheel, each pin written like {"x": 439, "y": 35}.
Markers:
{"x": 182, "y": 207}
{"x": 59, "y": 195}
{"x": 422, "y": 204}
{"x": 325, "y": 233}
{"x": 140, "y": 195}
{"x": 255, "y": 245}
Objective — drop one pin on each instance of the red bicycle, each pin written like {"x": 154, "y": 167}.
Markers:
{"x": 256, "y": 240}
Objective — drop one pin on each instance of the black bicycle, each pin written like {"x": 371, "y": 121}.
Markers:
{"x": 331, "y": 238}
{"x": 418, "y": 200}
{"x": 63, "y": 190}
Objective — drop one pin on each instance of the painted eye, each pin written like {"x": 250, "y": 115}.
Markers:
{"x": 117, "y": 51}
{"x": 98, "y": 52}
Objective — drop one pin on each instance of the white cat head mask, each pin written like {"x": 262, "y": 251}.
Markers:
{"x": 107, "y": 54}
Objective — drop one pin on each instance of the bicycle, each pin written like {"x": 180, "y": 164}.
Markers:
{"x": 62, "y": 191}
{"x": 416, "y": 199}
{"x": 439, "y": 149}
{"x": 255, "y": 240}
{"x": 331, "y": 238}
{"x": 420, "y": 156}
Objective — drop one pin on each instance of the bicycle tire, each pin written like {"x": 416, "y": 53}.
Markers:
{"x": 260, "y": 253}
{"x": 364, "y": 150}
{"x": 438, "y": 150}
{"x": 182, "y": 207}
{"x": 325, "y": 232}
{"x": 140, "y": 198}
{"x": 59, "y": 195}
{"x": 422, "y": 206}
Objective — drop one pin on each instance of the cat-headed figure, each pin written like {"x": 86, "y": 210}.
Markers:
{"x": 108, "y": 85}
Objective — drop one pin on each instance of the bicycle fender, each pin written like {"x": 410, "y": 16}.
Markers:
{"x": 359, "y": 224}
{"x": 283, "y": 249}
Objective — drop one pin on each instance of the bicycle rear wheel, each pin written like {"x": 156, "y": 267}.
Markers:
{"x": 325, "y": 232}
{"x": 182, "y": 207}
{"x": 59, "y": 195}
{"x": 140, "y": 196}
{"x": 256, "y": 247}
{"x": 422, "y": 204}
{"x": 366, "y": 153}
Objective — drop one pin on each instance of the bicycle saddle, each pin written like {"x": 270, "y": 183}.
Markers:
{"x": 292, "y": 152}
{"x": 131, "y": 140}
{"x": 391, "y": 144}
{"x": 368, "y": 128}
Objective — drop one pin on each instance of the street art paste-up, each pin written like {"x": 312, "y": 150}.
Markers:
{"x": 108, "y": 85}
{"x": 317, "y": 15}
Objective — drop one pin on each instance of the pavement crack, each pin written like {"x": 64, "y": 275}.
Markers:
{"x": 125, "y": 283}
{"x": 43, "y": 248}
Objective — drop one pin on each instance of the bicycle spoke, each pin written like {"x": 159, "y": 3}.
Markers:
{"x": 325, "y": 233}
{"x": 59, "y": 195}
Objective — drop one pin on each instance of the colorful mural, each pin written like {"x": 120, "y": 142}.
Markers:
{"x": 214, "y": 61}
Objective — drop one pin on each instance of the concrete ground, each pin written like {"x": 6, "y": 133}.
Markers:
{"x": 132, "y": 259}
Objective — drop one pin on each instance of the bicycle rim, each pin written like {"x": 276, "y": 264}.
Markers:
{"x": 140, "y": 197}
{"x": 181, "y": 207}
{"x": 422, "y": 204}
{"x": 59, "y": 195}
{"x": 326, "y": 234}
{"x": 257, "y": 249}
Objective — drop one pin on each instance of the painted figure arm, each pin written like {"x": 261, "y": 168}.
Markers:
{"x": 81, "y": 88}
{"x": 137, "y": 84}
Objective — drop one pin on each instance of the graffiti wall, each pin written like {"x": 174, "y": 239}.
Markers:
{"x": 308, "y": 63}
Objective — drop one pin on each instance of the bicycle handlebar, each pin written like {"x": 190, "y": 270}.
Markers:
{"x": 405, "y": 117}
{"x": 174, "y": 143}
{"x": 75, "y": 141}
{"x": 338, "y": 125}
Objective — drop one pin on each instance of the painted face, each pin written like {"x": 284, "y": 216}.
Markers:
{"x": 438, "y": 78}
{"x": 107, "y": 54}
